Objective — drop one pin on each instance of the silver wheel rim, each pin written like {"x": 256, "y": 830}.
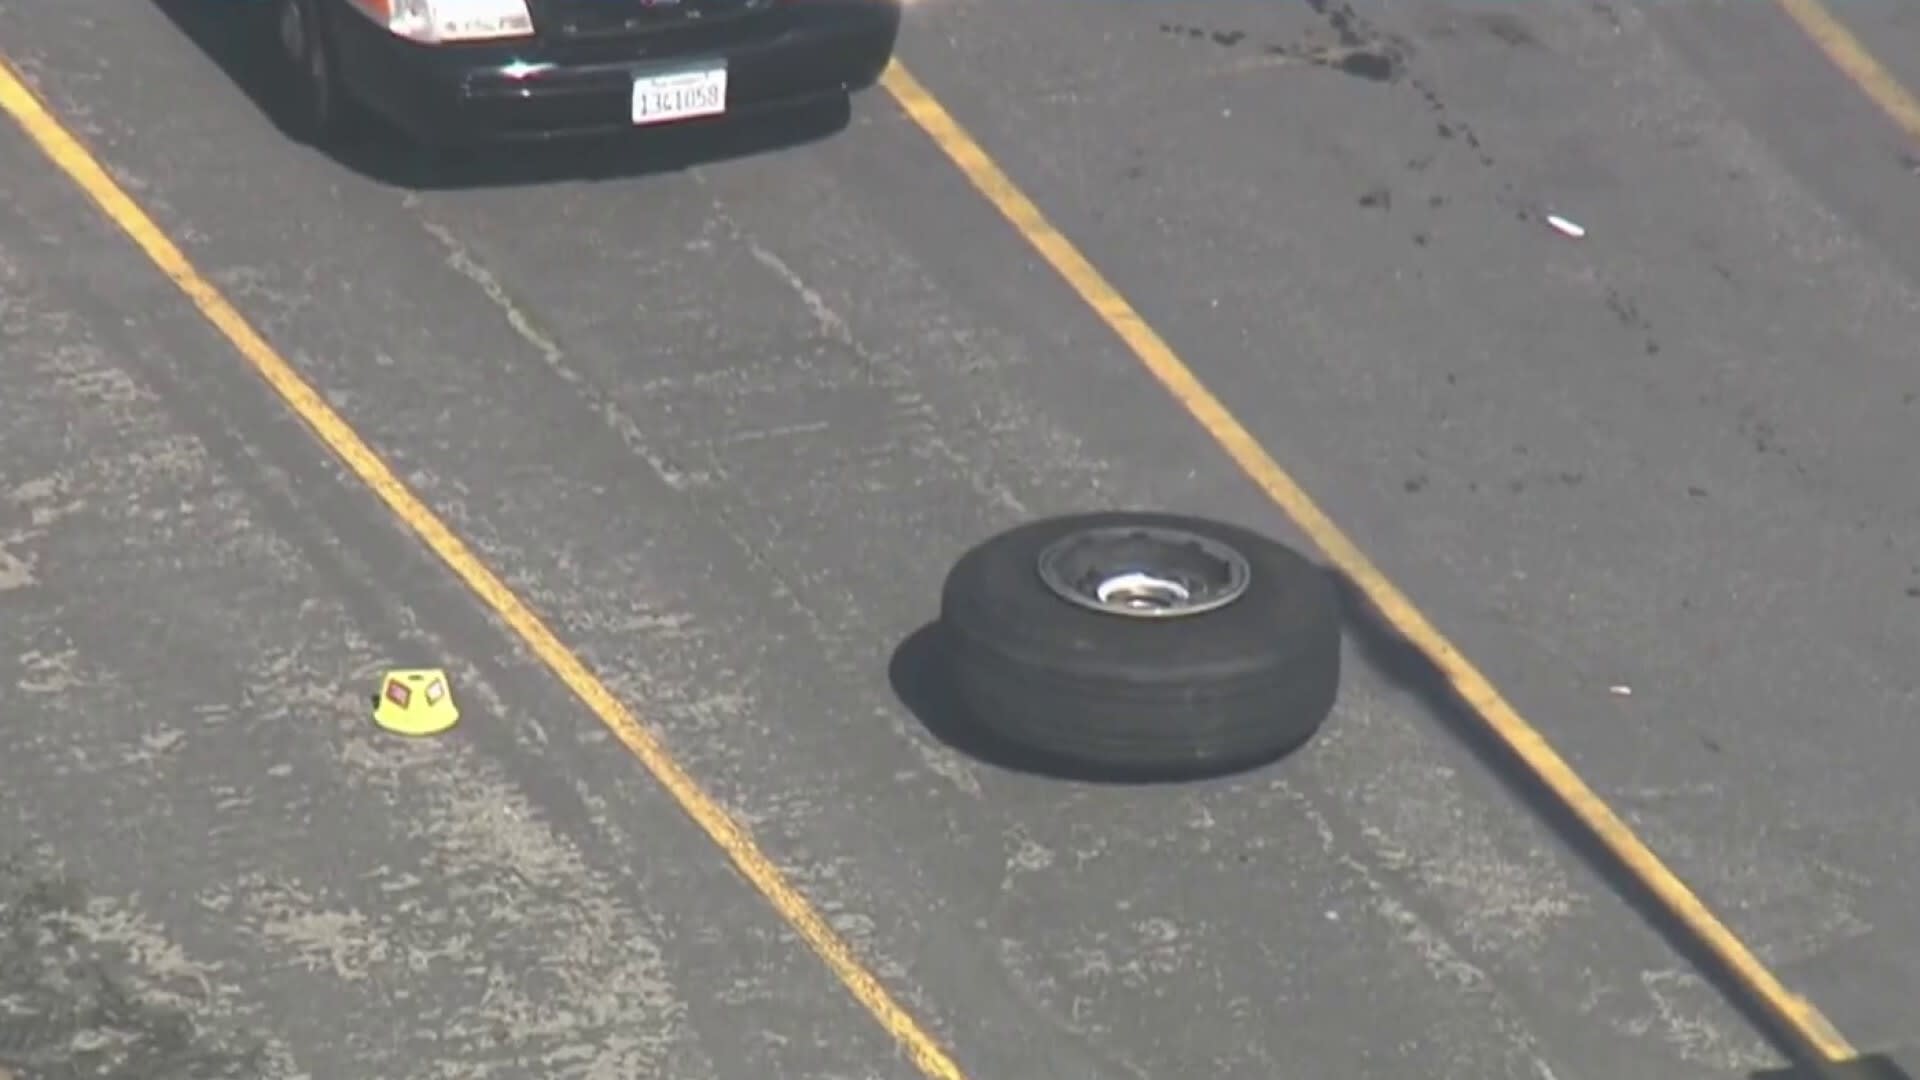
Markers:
{"x": 1144, "y": 571}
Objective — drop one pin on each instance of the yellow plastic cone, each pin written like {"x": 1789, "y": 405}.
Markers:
{"x": 416, "y": 702}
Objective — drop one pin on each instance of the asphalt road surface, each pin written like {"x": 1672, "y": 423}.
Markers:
{"x": 727, "y": 425}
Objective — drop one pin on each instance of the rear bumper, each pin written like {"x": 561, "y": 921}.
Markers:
{"x": 536, "y": 90}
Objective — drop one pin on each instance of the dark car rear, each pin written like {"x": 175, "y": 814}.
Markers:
{"x": 594, "y": 66}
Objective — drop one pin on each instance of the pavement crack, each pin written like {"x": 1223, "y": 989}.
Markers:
{"x": 829, "y": 320}
{"x": 836, "y": 328}
{"x": 462, "y": 261}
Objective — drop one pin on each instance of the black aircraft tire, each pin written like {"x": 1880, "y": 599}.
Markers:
{"x": 1206, "y": 692}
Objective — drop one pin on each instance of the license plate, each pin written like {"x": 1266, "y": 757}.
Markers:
{"x": 679, "y": 95}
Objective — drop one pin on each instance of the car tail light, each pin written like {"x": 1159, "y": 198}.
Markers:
{"x": 434, "y": 22}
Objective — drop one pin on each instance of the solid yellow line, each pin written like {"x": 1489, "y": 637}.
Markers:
{"x": 1796, "y": 1013}
{"x": 1856, "y": 63}
{"x": 87, "y": 173}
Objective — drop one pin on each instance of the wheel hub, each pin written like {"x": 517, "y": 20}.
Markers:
{"x": 1138, "y": 591}
{"x": 1144, "y": 571}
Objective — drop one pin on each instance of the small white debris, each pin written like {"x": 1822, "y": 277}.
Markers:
{"x": 1620, "y": 690}
{"x": 1566, "y": 227}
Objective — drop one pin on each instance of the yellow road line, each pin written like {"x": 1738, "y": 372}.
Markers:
{"x": 1856, "y": 63}
{"x": 1793, "y": 1012}
{"x": 87, "y": 173}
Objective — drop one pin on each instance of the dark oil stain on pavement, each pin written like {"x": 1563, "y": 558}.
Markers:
{"x": 66, "y": 1013}
{"x": 1366, "y": 51}
{"x": 1507, "y": 28}
{"x": 1359, "y": 50}
{"x": 1627, "y": 312}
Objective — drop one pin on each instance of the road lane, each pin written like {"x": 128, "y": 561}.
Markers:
{"x": 733, "y": 477}
{"x": 212, "y": 865}
{"x": 1671, "y": 456}
{"x": 1482, "y": 716}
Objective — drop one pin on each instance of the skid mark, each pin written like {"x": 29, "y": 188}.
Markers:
{"x": 547, "y": 347}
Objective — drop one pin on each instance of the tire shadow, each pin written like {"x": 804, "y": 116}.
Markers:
{"x": 1407, "y": 668}
{"x": 239, "y": 37}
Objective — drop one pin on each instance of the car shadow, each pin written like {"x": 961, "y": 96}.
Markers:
{"x": 239, "y": 37}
